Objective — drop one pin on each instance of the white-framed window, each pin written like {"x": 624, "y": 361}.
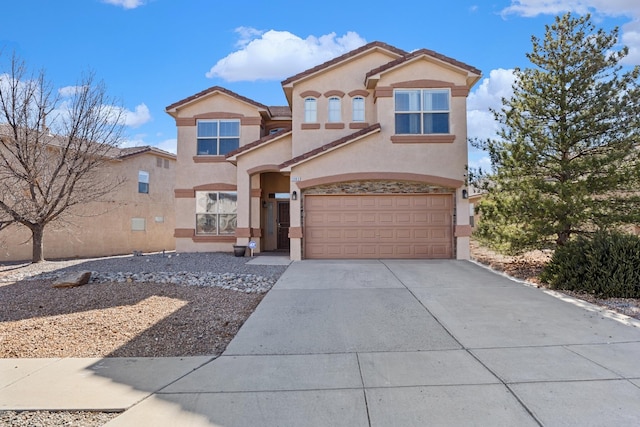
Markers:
{"x": 218, "y": 137}
{"x": 143, "y": 182}
{"x": 335, "y": 110}
{"x": 422, "y": 111}
{"x": 357, "y": 109}
{"x": 216, "y": 212}
{"x": 310, "y": 110}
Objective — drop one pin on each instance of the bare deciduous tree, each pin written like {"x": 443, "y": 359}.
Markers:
{"x": 52, "y": 148}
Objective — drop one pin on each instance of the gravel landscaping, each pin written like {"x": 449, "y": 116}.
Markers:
{"x": 134, "y": 306}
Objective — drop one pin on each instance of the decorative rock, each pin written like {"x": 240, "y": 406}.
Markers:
{"x": 73, "y": 279}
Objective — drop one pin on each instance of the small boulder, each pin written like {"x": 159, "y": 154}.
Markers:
{"x": 73, "y": 279}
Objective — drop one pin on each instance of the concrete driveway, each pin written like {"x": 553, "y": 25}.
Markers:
{"x": 409, "y": 343}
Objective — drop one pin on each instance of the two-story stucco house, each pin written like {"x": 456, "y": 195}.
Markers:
{"x": 368, "y": 160}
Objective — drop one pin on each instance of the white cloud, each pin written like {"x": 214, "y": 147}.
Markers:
{"x": 275, "y": 55}
{"x": 488, "y": 96}
{"x": 169, "y": 145}
{"x": 600, "y": 8}
{"x": 69, "y": 91}
{"x": 126, "y": 4}
{"x": 138, "y": 117}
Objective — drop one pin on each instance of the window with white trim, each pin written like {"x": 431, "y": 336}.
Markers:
{"x": 218, "y": 137}
{"x": 422, "y": 111}
{"x": 216, "y": 212}
{"x": 143, "y": 182}
{"x": 357, "y": 109}
{"x": 310, "y": 110}
{"x": 335, "y": 110}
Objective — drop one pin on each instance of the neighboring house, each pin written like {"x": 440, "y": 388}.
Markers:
{"x": 368, "y": 160}
{"x": 138, "y": 216}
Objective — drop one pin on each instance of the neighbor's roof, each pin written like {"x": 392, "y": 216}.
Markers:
{"x": 133, "y": 151}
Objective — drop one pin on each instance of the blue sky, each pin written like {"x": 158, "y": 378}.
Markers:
{"x": 151, "y": 53}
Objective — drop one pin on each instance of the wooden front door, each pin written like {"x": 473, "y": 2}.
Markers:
{"x": 283, "y": 226}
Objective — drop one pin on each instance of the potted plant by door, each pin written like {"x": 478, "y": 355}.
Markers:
{"x": 239, "y": 250}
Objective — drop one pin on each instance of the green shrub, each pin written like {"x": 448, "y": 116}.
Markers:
{"x": 606, "y": 265}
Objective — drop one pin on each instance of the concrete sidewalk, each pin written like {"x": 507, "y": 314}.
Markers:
{"x": 379, "y": 343}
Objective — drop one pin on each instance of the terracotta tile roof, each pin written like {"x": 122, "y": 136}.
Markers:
{"x": 257, "y": 142}
{"x": 421, "y": 52}
{"x": 280, "y": 111}
{"x": 343, "y": 57}
{"x": 214, "y": 89}
{"x": 333, "y": 144}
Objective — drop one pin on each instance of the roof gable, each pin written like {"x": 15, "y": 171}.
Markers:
{"x": 347, "y": 56}
{"x": 173, "y": 108}
{"x": 374, "y": 75}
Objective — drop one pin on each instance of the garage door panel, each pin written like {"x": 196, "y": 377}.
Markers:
{"x": 378, "y": 226}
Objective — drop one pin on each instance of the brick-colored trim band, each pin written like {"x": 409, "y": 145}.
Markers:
{"x": 423, "y": 139}
{"x": 381, "y": 176}
{"x": 308, "y": 126}
{"x": 358, "y": 125}
{"x": 256, "y": 192}
{"x": 250, "y": 121}
{"x": 460, "y": 91}
{"x": 243, "y": 232}
{"x": 359, "y": 92}
{"x": 184, "y": 193}
{"x": 462, "y": 231}
{"x": 337, "y": 93}
{"x": 185, "y": 121}
{"x": 456, "y": 91}
{"x": 218, "y": 186}
{"x": 295, "y": 232}
{"x": 334, "y": 125}
{"x": 218, "y": 115}
{"x": 383, "y": 92}
{"x": 209, "y": 159}
{"x": 310, "y": 93}
{"x": 180, "y": 233}
{"x": 256, "y": 232}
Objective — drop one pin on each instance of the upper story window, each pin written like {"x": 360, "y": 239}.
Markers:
{"x": 310, "y": 110}
{"x": 335, "y": 110}
{"x": 218, "y": 137}
{"x": 143, "y": 182}
{"x": 422, "y": 111}
{"x": 357, "y": 109}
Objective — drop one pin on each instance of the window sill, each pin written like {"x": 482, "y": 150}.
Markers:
{"x": 423, "y": 139}
{"x": 307, "y": 126}
{"x": 334, "y": 125}
{"x": 209, "y": 159}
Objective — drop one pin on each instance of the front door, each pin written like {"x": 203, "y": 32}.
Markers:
{"x": 283, "y": 226}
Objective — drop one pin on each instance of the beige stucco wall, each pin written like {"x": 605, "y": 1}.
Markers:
{"x": 210, "y": 172}
{"x": 345, "y": 77}
{"x": 104, "y": 228}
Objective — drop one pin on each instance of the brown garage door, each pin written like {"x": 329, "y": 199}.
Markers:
{"x": 378, "y": 226}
